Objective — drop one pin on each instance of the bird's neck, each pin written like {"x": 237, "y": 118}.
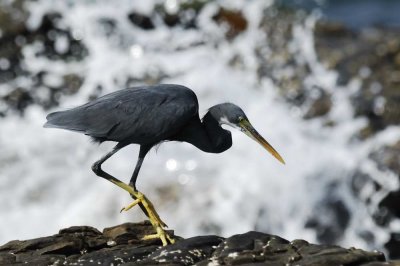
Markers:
{"x": 208, "y": 135}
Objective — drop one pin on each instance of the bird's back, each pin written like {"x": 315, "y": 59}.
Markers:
{"x": 140, "y": 115}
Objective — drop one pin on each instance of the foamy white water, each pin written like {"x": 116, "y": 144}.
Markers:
{"x": 46, "y": 182}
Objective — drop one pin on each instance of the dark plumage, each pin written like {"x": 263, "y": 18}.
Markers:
{"x": 124, "y": 115}
{"x": 148, "y": 115}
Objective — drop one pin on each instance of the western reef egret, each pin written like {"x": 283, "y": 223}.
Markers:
{"x": 149, "y": 115}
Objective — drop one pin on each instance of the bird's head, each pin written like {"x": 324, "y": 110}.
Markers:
{"x": 232, "y": 115}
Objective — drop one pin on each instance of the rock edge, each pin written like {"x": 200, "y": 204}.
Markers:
{"x": 122, "y": 245}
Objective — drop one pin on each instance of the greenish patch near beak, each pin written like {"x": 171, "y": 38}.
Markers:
{"x": 250, "y": 131}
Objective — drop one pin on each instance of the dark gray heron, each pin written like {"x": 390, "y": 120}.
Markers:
{"x": 146, "y": 116}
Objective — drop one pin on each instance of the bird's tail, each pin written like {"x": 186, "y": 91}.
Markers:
{"x": 70, "y": 120}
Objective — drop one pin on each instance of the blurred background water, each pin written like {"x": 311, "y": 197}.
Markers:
{"x": 356, "y": 14}
{"x": 320, "y": 81}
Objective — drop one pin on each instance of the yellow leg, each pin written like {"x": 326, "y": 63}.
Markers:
{"x": 152, "y": 214}
{"x": 154, "y": 218}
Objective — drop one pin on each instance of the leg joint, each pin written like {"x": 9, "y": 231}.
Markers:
{"x": 96, "y": 168}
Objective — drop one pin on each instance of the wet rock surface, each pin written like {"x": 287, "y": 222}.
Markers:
{"x": 372, "y": 56}
{"x": 122, "y": 245}
{"x": 386, "y": 159}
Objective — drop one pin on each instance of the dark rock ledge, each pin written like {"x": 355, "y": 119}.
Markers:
{"x": 121, "y": 245}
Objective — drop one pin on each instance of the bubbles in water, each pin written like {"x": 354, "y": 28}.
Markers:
{"x": 136, "y": 51}
{"x": 171, "y": 165}
{"x": 184, "y": 179}
{"x": 171, "y": 6}
{"x": 61, "y": 44}
{"x": 379, "y": 105}
{"x": 77, "y": 34}
{"x": 365, "y": 72}
{"x": 190, "y": 165}
{"x": 4, "y": 64}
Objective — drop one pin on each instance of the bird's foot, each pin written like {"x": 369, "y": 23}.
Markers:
{"x": 140, "y": 198}
{"x": 154, "y": 218}
{"x": 162, "y": 235}
{"x": 149, "y": 210}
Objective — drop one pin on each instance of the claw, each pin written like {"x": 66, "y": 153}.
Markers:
{"x": 130, "y": 206}
{"x": 153, "y": 216}
{"x": 170, "y": 239}
{"x": 162, "y": 235}
{"x": 150, "y": 212}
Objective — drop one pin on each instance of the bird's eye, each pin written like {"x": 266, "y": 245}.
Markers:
{"x": 240, "y": 118}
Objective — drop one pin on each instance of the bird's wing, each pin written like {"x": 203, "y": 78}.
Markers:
{"x": 137, "y": 115}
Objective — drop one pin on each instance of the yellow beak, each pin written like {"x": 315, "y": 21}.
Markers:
{"x": 250, "y": 131}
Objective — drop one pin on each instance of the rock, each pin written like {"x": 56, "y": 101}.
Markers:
{"x": 372, "y": 55}
{"x": 184, "y": 252}
{"x": 279, "y": 25}
{"x": 320, "y": 103}
{"x": 141, "y": 21}
{"x": 129, "y": 233}
{"x": 18, "y": 99}
{"x": 235, "y": 21}
{"x": 393, "y": 245}
{"x": 330, "y": 231}
{"x": 122, "y": 245}
{"x": 386, "y": 210}
{"x": 388, "y": 158}
{"x": 58, "y": 44}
